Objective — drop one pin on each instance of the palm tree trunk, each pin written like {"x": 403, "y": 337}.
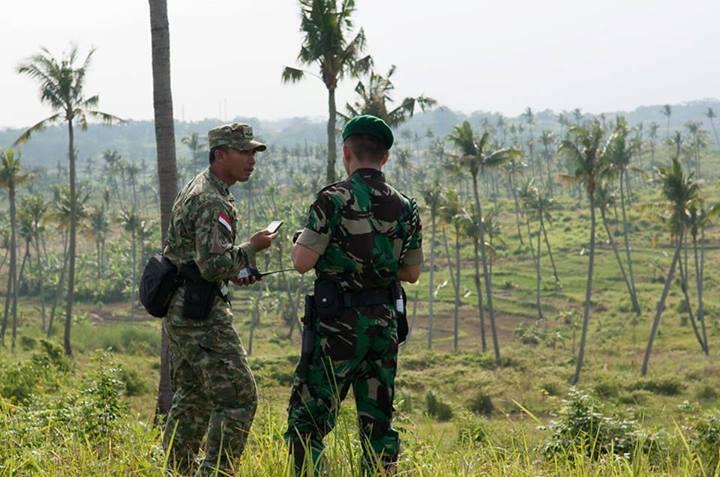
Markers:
{"x": 6, "y": 309}
{"x": 166, "y": 163}
{"x": 478, "y": 291}
{"x": 517, "y": 209}
{"x": 661, "y": 307}
{"x": 455, "y": 284}
{"x": 549, "y": 249}
{"x": 332, "y": 153}
{"x": 700, "y": 278}
{"x": 11, "y": 297}
{"x": 538, "y": 275}
{"x": 486, "y": 272}
{"x": 60, "y": 286}
{"x": 588, "y": 294}
{"x": 26, "y": 255}
{"x": 431, "y": 282}
{"x": 41, "y": 274}
{"x": 683, "y": 265}
{"x": 635, "y": 302}
{"x": 72, "y": 246}
{"x": 253, "y": 324}
{"x": 613, "y": 245}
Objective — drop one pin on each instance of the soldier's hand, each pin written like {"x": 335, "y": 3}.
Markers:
{"x": 246, "y": 281}
{"x": 296, "y": 235}
{"x": 262, "y": 240}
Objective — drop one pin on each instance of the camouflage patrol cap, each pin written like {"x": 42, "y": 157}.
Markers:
{"x": 235, "y": 135}
{"x": 370, "y": 125}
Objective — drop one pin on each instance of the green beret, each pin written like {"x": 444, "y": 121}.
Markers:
{"x": 370, "y": 125}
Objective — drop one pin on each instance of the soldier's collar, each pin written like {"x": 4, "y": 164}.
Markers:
{"x": 214, "y": 180}
{"x": 369, "y": 173}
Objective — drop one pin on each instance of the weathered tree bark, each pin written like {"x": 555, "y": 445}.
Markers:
{"x": 69, "y": 299}
{"x": 166, "y": 164}
{"x": 332, "y": 151}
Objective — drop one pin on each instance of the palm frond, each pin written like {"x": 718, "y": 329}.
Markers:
{"x": 292, "y": 75}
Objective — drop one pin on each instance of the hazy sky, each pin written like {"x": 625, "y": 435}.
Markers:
{"x": 227, "y": 55}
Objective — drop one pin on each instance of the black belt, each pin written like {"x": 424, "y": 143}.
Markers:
{"x": 367, "y": 297}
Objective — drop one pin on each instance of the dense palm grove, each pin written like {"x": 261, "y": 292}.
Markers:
{"x": 543, "y": 232}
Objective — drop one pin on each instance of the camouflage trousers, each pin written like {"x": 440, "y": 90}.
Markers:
{"x": 214, "y": 388}
{"x": 358, "y": 350}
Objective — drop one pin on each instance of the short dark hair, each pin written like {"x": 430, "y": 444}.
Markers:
{"x": 211, "y": 157}
{"x": 366, "y": 147}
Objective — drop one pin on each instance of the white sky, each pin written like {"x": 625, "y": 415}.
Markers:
{"x": 501, "y": 55}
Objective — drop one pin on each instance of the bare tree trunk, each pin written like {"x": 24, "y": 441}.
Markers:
{"x": 636, "y": 303}
{"x": 41, "y": 275}
{"x": 253, "y": 324}
{"x": 700, "y": 278}
{"x": 613, "y": 245}
{"x": 478, "y": 291}
{"x": 70, "y": 298}
{"x": 431, "y": 283}
{"x": 486, "y": 272}
{"x": 683, "y": 266}
{"x": 26, "y": 255}
{"x": 455, "y": 284}
{"x": 588, "y": 294}
{"x": 60, "y": 286}
{"x": 660, "y": 307}
{"x": 538, "y": 274}
{"x": 517, "y": 209}
{"x": 332, "y": 152}
{"x": 11, "y": 297}
{"x": 166, "y": 163}
{"x": 549, "y": 249}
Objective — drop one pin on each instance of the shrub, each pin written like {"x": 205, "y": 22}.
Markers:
{"x": 705, "y": 440}
{"x": 481, "y": 404}
{"x": 665, "y": 386}
{"x": 473, "y": 432}
{"x": 584, "y": 427}
{"x": 436, "y": 408}
{"x": 706, "y": 393}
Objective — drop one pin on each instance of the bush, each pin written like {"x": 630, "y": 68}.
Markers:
{"x": 584, "y": 427}
{"x": 481, "y": 404}
{"x": 665, "y": 386}
{"x": 436, "y": 408}
{"x": 705, "y": 440}
{"x": 473, "y": 432}
{"x": 706, "y": 393}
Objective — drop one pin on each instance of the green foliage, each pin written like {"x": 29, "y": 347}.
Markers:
{"x": 437, "y": 408}
{"x": 664, "y": 385}
{"x": 481, "y": 403}
{"x": 584, "y": 427}
{"x": 705, "y": 440}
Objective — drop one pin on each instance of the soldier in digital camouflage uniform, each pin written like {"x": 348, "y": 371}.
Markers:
{"x": 214, "y": 387}
{"x": 356, "y": 232}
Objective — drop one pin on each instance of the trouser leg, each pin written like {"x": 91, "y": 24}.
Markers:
{"x": 231, "y": 388}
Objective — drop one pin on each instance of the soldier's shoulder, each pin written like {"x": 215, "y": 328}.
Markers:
{"x": 335, "y": 189}
{"x": 200, "y": 194}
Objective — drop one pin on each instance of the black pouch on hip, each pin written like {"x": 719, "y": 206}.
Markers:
{"x": 328, "y": 299}
{"x": 158, "y": 284}
{"x": 199, "y": 293}
{"x": 401, "y": 308}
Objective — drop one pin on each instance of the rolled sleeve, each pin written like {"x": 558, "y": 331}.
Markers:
{"x": 413, "y": 257}
{"x": 315, "y": 241}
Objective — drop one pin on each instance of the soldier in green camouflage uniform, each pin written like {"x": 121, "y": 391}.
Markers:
{"x": 362, "y": 234}
{"x": 214, "y": 387}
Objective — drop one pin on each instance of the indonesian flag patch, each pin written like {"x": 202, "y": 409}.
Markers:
{"x": 224, "y": 219}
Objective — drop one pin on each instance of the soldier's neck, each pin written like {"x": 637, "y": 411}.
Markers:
{"x": 224, "y": 178}
{"x": 354, "y": 166}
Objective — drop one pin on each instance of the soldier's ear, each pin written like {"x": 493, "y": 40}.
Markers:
{"x": 386, "y": 156}
{"x": 347, "y": 152}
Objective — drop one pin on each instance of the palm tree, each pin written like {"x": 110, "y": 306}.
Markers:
{"x": 11, "y": 175}
{"x": 327, "y": 27}
{"x": 432, "y": 195}
{"x": 667, "y": 112}
{"x": 513, "y": 168}
{"x": 375, "y": 98}
{"x": 681, "y": 193}
{"x": 197, "y": 149}
{"x": 697, "y": 143}
{"x": 62, "y": 83}
{"x": 620, "y": 153}
{"x": 166, "y": 162}
{"x": 476, "y": 155}
{"x": 548, "y": 141}
{"x": 711, "y": 115}
{"x": 652, "y": 135}
{"x": 587, "y": 156}
{"x": 98, "y": 229}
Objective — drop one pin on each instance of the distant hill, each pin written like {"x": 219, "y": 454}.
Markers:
{"x": 136, "y": 139}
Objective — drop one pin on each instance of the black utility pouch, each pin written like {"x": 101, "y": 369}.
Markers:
{"x": 308, "y": 338}
{"x": 402, "y": 323}
{"x": 199, "y": 293}
{"x": 158, "y": 284}
{"x": 328, "y": 299}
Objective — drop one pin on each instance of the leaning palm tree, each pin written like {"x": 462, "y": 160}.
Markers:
{"x": 588, "y": 159}
{"x": 711, "y": 115}
{"x": 62, "y": 84}
{"x": 11, "y": 175}
{"x": 681, "y": 194}
{"x": 431, "y": 193}
{"x": 375, "y": 98}
{"x": 327, "y": 27}
{"x": 620, "y": 153}
{"x": 476, "y": 155}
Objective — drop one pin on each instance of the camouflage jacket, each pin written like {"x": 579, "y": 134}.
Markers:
{"x": 360, "y": 227}
{"x": 203, "y": 227}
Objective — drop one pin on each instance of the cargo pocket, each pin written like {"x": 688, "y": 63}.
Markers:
{"x": 338, "y": 336}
